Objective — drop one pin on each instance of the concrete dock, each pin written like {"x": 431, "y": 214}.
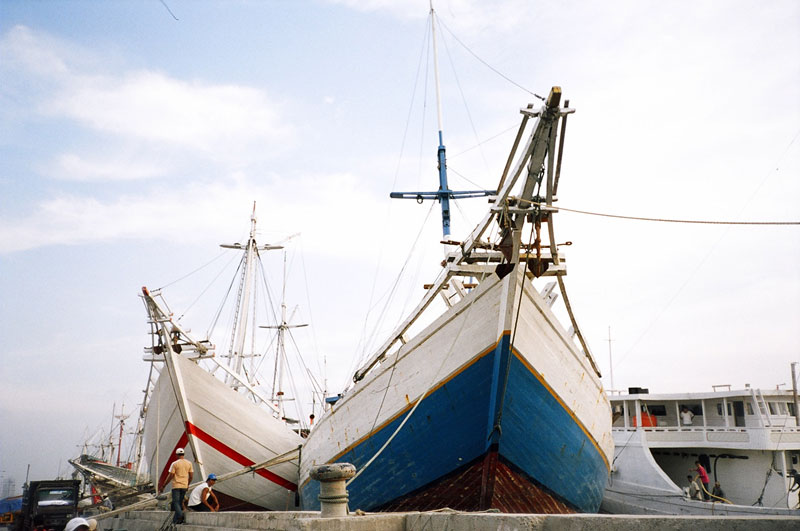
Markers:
{"x": 440, "y": 521}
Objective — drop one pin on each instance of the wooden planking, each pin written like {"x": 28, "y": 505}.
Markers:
{"x": 511, "y": 492}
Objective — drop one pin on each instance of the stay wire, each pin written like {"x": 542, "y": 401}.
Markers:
{"x": 466, "y": 107}
{"x": 187, "y": 275}
{"x": 362, "y": 341}
{"x": 396, "y": 284}
{"x": 712, "y": 249}
{"x": 662, "y": 220}
{"x": 423, "y": 395}
{"x": 490, "y": 67}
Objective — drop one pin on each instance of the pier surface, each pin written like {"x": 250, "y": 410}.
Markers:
{"x": 441, "y": 521}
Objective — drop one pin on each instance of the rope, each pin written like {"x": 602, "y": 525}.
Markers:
{"x": 490, "y": 67}
{"x": 389, "y": 294}
{"x": 466, "y": 107}
{"x": 666, "y": 220}
{"x": 498, "y": 421}
{"x": 422, "y": 397}
{"x": 662, "y": 220}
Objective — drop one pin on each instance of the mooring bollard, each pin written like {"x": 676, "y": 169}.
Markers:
{"x": 332, "y": 489}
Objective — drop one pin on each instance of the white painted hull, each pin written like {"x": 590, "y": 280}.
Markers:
{"x": 223, "y": 432}
{"x": 436, "y": 358}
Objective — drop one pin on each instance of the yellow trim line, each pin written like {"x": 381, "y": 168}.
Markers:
{"x": 455, "y": 373}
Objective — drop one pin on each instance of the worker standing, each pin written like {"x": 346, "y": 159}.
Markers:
{"x": 180, "y": 473}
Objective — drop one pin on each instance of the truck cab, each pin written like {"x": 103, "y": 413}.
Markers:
{"x": 49, "y": 505}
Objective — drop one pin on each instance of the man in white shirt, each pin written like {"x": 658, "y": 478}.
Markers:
{"x": 203, "y": 498}
{"x": 686, "y": 416}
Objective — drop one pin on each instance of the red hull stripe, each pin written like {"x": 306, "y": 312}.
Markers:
{"x": 229, "y": 452}
{"x": 182, "y": 442}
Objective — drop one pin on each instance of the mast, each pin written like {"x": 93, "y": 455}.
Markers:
{"x": 122, "y": 416}
{"x": 444, "y": 197}
{"x": 239, "y": 335}
{"x": 280, "y": 349}
{"x": 444, "y": 194}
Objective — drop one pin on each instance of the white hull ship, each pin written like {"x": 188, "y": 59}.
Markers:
{"x": 747, "y": 440}
{"x": 493, "y": 405}
{"x": 224, "y": 426}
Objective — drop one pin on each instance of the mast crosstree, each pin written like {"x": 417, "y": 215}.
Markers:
{"x": 444, "y": 194}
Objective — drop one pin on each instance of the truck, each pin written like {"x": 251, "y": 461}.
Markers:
{"x": 48, "y": 505}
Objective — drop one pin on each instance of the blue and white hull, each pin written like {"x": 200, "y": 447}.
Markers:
{"x": 520, "y": 428}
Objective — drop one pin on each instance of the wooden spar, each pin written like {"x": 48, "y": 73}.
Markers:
{"x": 552, "y": 182}
{"x": 560, "y": 150}
{"x": 535, "y": 149}
{"x": 159, "y": 316}
{"x": 514, "y": 147}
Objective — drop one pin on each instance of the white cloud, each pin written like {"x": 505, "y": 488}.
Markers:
{"x": 219, "y": 121}
{"x": 223, "y": 123}
{"x": 326, "y": 208}
{"x": 34, "y": 52}
{"x": 118, "y": 167}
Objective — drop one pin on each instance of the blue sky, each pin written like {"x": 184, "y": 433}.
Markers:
{"x": 132, "y": 144}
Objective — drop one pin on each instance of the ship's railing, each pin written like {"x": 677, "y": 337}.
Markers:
{"x": 788, "y": 437}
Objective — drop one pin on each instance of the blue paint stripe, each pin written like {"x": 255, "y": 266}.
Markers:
{"x": 539, "y": 437}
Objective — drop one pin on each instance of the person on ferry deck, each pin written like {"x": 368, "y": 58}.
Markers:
{"x": 686, "y": 416}
{"x": 703, "y": 477}
{"x": 718, "y": 492}
{"x": 694, "y": 489}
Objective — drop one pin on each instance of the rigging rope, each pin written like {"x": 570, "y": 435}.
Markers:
{"x": 422, "y": 396}
{"x": 663, "y": 220}
{"x": 667, "y": 220}
{"x": 466, "y": 107}
{"x": 363, "y": 338}
{"x": 389, "y": 294}
{"x": 493, "y": 69}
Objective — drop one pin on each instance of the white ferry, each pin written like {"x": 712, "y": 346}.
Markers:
{"x": 748, "y": 441}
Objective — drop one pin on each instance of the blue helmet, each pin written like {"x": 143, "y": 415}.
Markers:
{"x": 212, "y": 476}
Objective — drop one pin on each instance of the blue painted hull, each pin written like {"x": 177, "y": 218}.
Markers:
{"x": 542, "y": 449}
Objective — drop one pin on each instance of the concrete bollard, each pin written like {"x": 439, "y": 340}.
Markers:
{"x": 332, "y": 490}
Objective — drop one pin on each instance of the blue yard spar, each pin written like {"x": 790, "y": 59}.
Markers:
{"x": 444, "y": 194}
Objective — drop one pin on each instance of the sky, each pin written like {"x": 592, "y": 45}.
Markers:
{"x": 135, "y": 137}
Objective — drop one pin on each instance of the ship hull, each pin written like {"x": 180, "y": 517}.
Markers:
{"x": 221, "y": 431}
{"x": 520, "y": 429}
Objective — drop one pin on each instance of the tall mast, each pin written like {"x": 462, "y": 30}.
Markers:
{"x": 444, "y": 194}
{"x": 237, "y": 356}
{"x": 444, "y": 190}
{"x": 243, "y": 299}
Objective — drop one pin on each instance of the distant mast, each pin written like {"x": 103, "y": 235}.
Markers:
{"x": 444, "y": 194}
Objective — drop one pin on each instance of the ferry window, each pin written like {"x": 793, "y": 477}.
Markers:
{"x": 773, "y": 408}
{"x": 750, "y": 409}
{"x": 782, "y": 406}
{"x": 657, "y": 409}
{"x": 719, "y": 409}
{"x": 790, "y": 406}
